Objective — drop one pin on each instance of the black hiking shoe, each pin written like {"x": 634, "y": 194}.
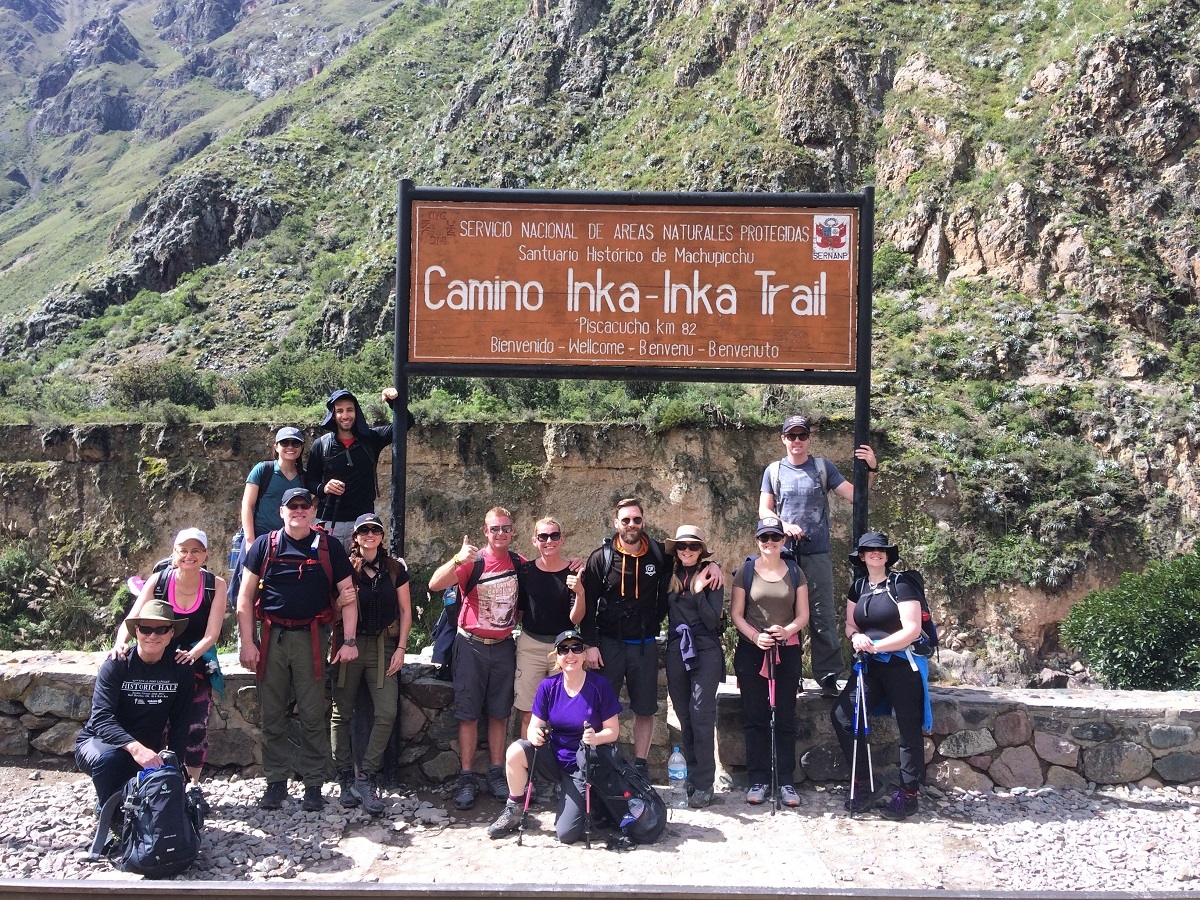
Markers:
{"x": 497, "y": 782}
{"x": 274, "y": 796}
{"x": 901, "y": 805}
{"x": 859, "y": 798}
{"x": 314, "y": 800}
{"x": 508, "y": 822}
{"x": 829, "y": 685}
{"x": 643, "y": 768}
{"x": 348, "y": 798}
{"x": 366, "y": 788}
{"x": 468, "y": 790}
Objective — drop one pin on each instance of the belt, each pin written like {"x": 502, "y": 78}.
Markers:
{"x": 474, "y": 638}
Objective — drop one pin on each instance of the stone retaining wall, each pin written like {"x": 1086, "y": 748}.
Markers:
{"x": 981, "y": 737}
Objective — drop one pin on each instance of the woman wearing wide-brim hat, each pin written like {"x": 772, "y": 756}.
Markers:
{"x": 695, "y": 659}
{"x": 883, "y": 620}
{"x": 138, "y": 697}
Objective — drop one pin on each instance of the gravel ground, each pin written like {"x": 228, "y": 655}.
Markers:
{"x": 1117, "y": 839}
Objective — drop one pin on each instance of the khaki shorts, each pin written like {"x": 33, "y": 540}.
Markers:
{"x": 535, "y": 659}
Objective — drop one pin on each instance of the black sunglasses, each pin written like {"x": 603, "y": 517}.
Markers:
{"x": 155, "y": 629}
{"x": 792, "y": 436}
{"x": 688, "y": 545}
{"x": 299, "y": 504}
{"x": 370, "y": 529}
{"x": 771, "y": 537}
{"x": 291, "y": 442}
{"x": 632, "y": 520}
{"x": 564, "y": 649}
{"x": 552, "y": 536}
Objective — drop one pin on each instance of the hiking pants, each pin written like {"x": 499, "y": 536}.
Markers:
{"x": 570, "y": 817}
{"x": 824, "y": 640}
{"x": 383, "y": 699}
{"x": 896, "y": 682}
{"x": 756, "y": 711}
{"x": 290, "y": 665}
{"x": 110, "y": 766}
{"x": 694, "y": 696}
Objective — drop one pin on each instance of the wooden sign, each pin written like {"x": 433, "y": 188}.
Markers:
{"x": 691, "y": 286}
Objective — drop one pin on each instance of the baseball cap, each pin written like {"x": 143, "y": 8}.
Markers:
{"x": 795, "y": 423}
{"x": 289, "y": 433}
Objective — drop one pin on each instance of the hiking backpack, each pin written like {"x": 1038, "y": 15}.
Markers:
{"x": 446, "y": 626}
{"x": 795, "y": 573}
{"x": 615, "y": 614}
{"x": 210, "y": 584}
{"x": 928, "y": 643}
{"x": 617, "y": 785}
{"x": 160, "y": 829}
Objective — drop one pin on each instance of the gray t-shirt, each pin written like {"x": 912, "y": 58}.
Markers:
{"x": 800, "y": 500}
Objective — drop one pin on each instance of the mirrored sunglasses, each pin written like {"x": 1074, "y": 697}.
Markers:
{"x": 155, "y": 629}
{"x": 552, "y": 536}
{"x": 500, "y": 529}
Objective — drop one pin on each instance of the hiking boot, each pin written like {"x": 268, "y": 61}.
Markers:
{"x": 497, "y": 782}
{"x": 859, "y": 798}
{"x": 274, "y": 796}
{"x": 314, "y": 800}
{"x": 700, "y": 799}
{"x": 468, "y": 790}
{"x": 757, "y": 794}
{"x": 508, "y": 821}
{"x": 643, "y": 768}
{"x": 788, "y": 796}
{"x": 196, "y": 801}
{"x": 346, "y": 783}
{"x": 901, "y": 805}
{"x": 367, "y": 790}
{"x": 829, "y": 685}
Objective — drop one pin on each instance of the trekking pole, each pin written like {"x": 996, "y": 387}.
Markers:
{"x": 529, "y": 788}
{"x": 771, "y": 654}
{"x": 587, "y": 793}
{"x": 860, "y": 726}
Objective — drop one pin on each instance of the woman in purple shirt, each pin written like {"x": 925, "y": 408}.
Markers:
{"x": 565, "y": 709}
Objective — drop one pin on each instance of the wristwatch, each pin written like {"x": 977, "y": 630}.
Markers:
{"x": 350, "y": 642}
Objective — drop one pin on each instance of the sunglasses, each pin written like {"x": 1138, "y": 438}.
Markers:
{"x": 291, "y": 442}
{"x": 689, "y": 545}
{"x": 500, "y": 529}
{"x": 791, "y": 436}
{"x": 564, "y": 649}
{"x": 299, "y": 504}
{"x": 552, "y": 536}
{"x": 632, "y": 520}
{"x": 771, "y": 537}
{"x": 155, "y": 629}
{"x": 370, "y": 529}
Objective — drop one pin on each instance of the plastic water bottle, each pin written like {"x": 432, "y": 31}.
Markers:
{"x": 235, "y": 550}
{"x": 677, "y": 781}
{"x": 637, "y": 806}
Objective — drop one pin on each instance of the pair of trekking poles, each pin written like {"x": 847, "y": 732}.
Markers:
{"x": 861, "y": 726}
{"x": 587, "y": 790}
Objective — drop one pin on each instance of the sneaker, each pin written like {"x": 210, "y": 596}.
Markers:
{"x": 468, "y": 790}
{"x": 757, "y": 794}
{"x": 366, "y": 789}
{"x": 643, "y": 768}
{"x": 346, "y": 784}
{"x": 508, "y": 822}
{"x": 497, "y": 782}
{"x": 274, "y": 796}
{"x": 700, "y": 799}
{"x": 829, "y": 685}
{"x": 901, "y": 805}
{"x": 788, "y": 796}
{"x": 313, "y": 800}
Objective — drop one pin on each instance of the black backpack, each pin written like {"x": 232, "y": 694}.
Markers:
{"x": 616, "y": 784}
{"x": 795, "y": 573}
{"x": 928, "y": 643}
{"x": 160, "y": 587}
{"x": 160, "y": 830}
{"x": 623, "y": 618}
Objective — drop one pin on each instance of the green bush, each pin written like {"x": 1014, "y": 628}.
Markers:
{"x": 134, "y": 384}
{"x": 1143, "y": 633}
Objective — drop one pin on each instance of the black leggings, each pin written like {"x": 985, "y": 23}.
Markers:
{"x": 895, "y": 681}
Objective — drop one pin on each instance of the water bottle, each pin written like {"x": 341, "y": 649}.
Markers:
{"x": 677, "y": 797}
{"x": 637, "y": 806}
{"x": 235, "y": 550}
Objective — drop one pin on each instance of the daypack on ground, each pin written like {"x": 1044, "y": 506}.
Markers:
{"x": 928, "y": 642}
{"x": 615, "y": 784}
{"x": 160, "y": 831}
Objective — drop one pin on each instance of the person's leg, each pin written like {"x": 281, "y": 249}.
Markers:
{"x": 904, "y": 688}
{"x": 501, "y": 670}
{"x": 197, "y": 718}
{"x": 679, "y": 689}
{"x": 384, "y": 699}
{"x": 346, "y": 679}
{"x": 468, "y": 739}
{"x": 822, "y": 622}
{"x": 641, "y": 679}
{"x": 273, "y": 697}
{"x": 109, "y": 765}
{"x": 532, "y": 666}
{"x": 614, "y": 653}
{"x": 571, "y": 821}
{"x": 315, "y": 756}
{"x": 787, "y": 679}
{"x": 710, "y": 669}
{"x": 469, "y": 685}
{"x": 756, "y": 712}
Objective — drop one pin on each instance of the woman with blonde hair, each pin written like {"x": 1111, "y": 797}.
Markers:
{"x": 695, "y": 659}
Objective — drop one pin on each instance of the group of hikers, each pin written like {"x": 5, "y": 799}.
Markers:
{"x": 556, "y": 636}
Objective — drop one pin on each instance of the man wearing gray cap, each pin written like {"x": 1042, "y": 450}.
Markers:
{"x": 796, "y": 490}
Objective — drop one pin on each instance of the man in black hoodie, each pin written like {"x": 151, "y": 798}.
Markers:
{"x": 342, "y": 463}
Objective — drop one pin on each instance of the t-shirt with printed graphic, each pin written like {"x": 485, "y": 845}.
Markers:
{"x": 136, "y": 701}
{"x": 595, "y": 703}
{"x": 801, "y": 500}
{"x": 489, "y": 609}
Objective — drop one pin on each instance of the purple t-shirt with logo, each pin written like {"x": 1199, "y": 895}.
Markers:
{"x": 595, "y": 703}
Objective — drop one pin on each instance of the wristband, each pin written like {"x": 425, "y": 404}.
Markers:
{"x": 872, "y": 469}
{"x": 457, "y": 561}
{"x": 350, "y": 642}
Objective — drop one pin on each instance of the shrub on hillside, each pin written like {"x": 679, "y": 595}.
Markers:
{"x": 135, "y": 384}
{"x": 1143, "y": 633}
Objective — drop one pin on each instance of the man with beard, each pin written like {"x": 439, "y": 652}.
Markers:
{"x": 625, "y": 583}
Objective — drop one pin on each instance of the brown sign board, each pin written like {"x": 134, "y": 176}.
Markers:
{"x": 686, "y": 286}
